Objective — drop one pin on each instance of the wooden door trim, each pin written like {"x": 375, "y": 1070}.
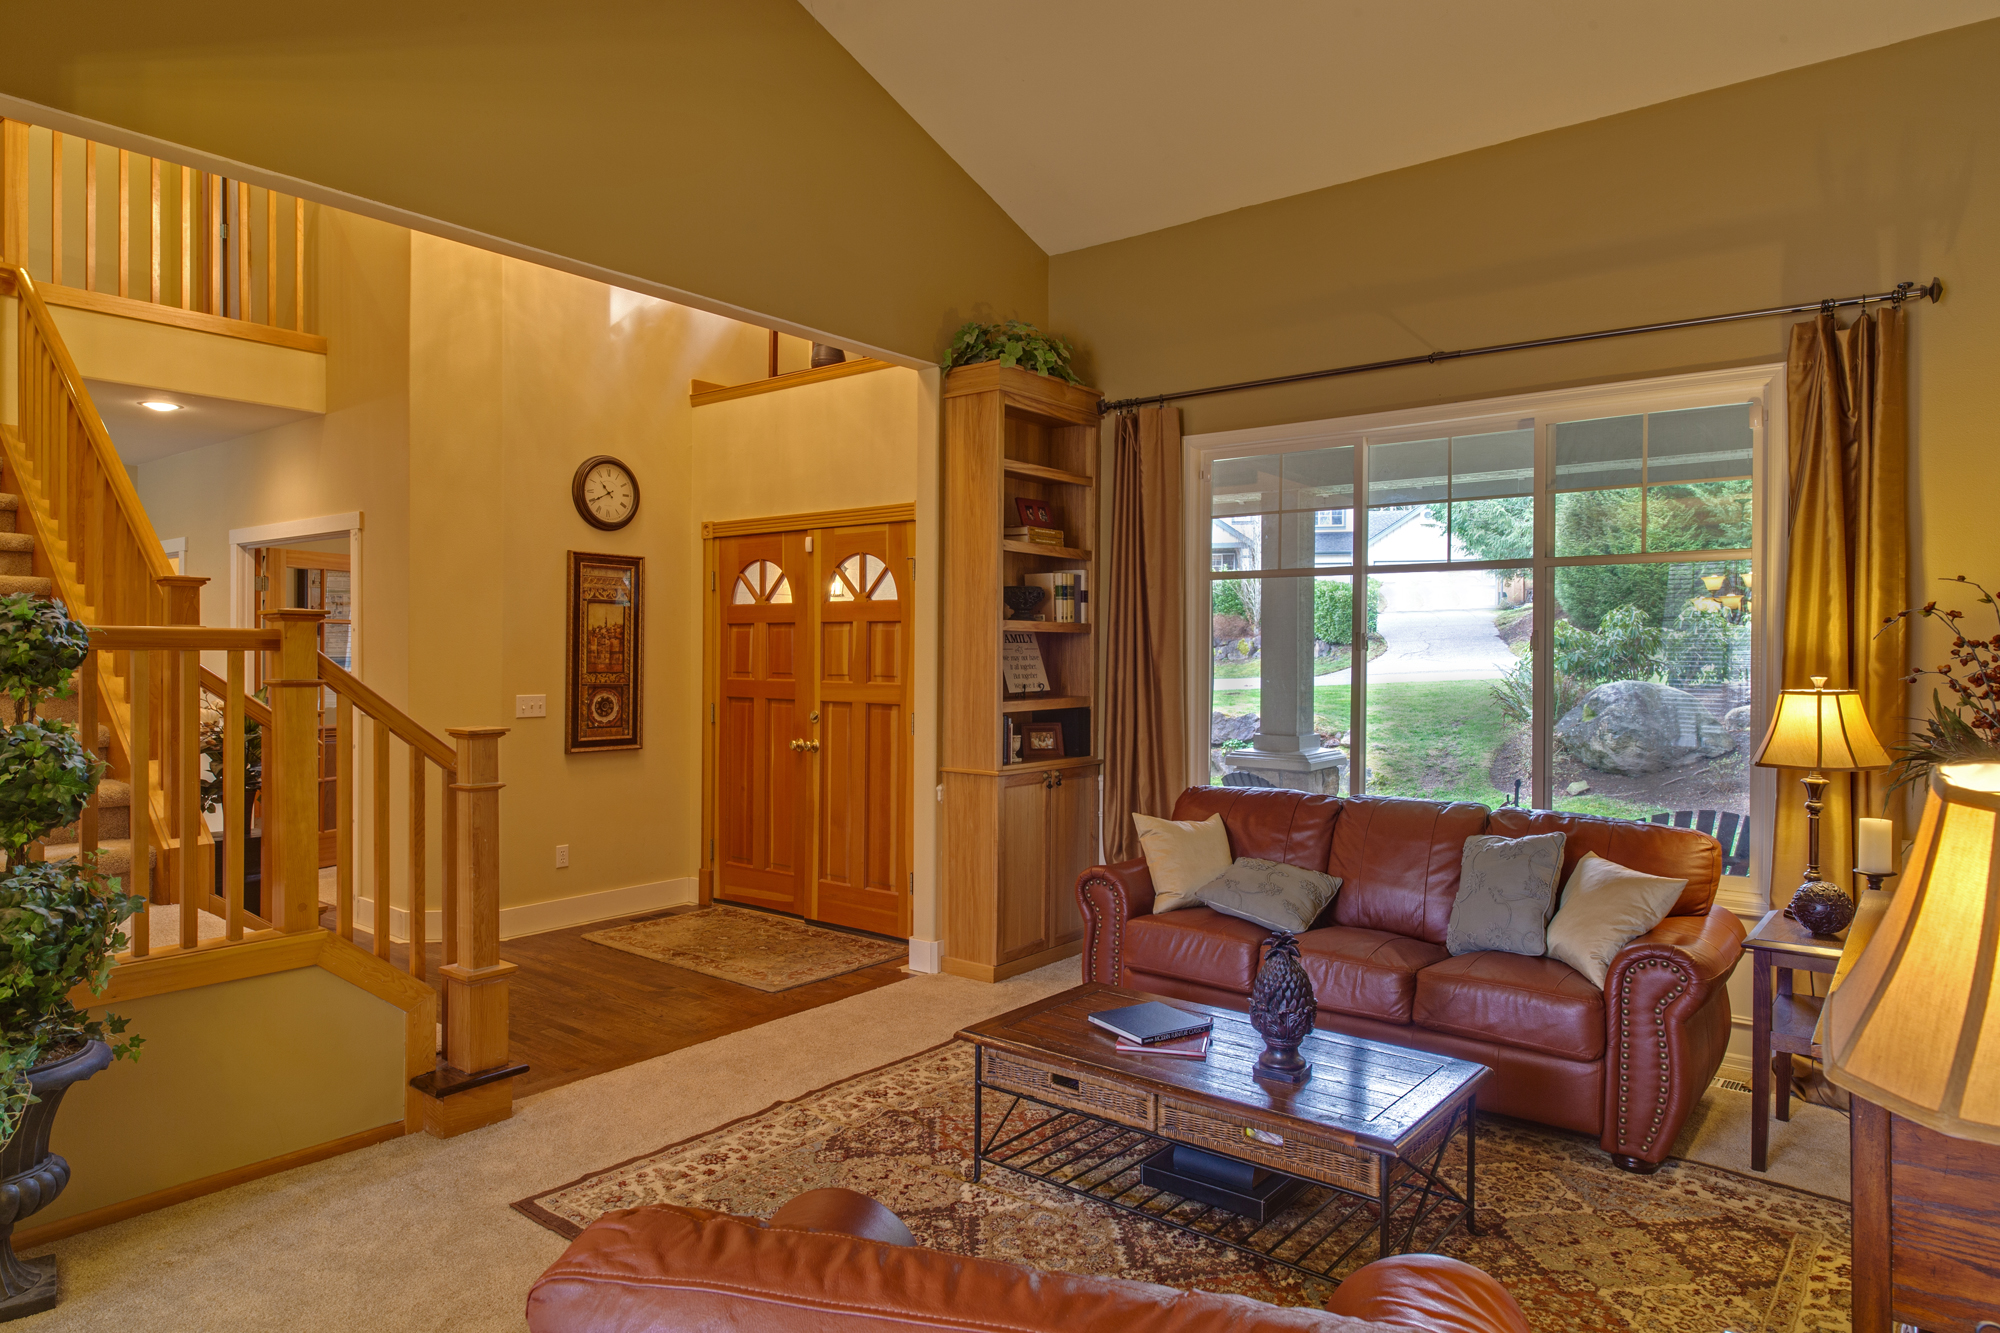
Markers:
{"x": 819, "y": 518}
{"x": 711, "y": 672}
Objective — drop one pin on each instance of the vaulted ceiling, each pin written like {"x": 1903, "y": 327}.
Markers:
{"x": 1092, "y": 120}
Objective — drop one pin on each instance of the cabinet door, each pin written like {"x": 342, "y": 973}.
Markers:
{"x": 1073, "y": 848}
{"x": 1024, "y": 857}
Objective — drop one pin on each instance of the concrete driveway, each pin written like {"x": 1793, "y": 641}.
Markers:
{"x": 1423, "y": 645}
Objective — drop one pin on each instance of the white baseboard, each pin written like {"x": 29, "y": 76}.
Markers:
{"x": 556, "y": 914}
{"x": 1734, "y": 1066}
{"x": 926, "y": 955}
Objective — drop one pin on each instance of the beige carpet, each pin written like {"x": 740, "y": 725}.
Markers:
{"x": 754, "y": 949}
{"x": 1809, "y": 1152}
{"x": 416, "y": 1234}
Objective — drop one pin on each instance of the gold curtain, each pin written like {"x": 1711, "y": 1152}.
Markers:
{"x": 1846, "y": 565}
{"x": 1145, "y": 683}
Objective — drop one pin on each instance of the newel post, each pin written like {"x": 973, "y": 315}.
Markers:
{"x": 291, "y": 771}
{"x": 184, "y": 872}
{"x": 474, "y": 1085}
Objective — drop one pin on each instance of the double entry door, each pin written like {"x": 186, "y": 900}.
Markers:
{"x": 811, "y": 723}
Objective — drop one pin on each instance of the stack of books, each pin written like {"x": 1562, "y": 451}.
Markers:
{"x": 1153, "y": 1028}
{"x": 1068, "y": 595}
{"x": 1039, "y": 536}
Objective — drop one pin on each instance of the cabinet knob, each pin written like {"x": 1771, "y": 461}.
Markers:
{"x": 812, "y": 747}
{"x": 798, "y": 745}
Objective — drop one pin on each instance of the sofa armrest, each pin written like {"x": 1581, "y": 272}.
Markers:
{"x": 1428, "y": 1292}
{"x": 843, "y": 1211}
{"x": 1109, "y": 896}
{"x": 1666, "y": 1011}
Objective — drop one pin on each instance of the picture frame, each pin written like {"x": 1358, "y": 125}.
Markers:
{"x": 1042, "y": 740}
{"x": 1033, "y": 513}
{"x": 604, "y": 677}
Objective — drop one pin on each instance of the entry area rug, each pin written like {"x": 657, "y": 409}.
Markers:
{"x": 755, "y": 949}
{"x": 1583, "y": 1246}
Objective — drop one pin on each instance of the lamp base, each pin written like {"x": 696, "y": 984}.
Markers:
{"x": 1823, "y": 908}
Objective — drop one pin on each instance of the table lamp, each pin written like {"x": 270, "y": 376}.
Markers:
{"x": 1915, "y": 1025}
{"x": 1820, "y": 729}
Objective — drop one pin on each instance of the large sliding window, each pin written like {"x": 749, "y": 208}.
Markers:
{"x": 1552, "y": 601}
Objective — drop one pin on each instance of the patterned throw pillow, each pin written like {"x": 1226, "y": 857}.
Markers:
{"x": 1181, "y": 856}
{"x": 1270, "y": 893}
{"x": 1506, "y": 892}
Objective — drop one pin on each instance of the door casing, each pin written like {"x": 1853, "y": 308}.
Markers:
{"x": 715, "y": 585}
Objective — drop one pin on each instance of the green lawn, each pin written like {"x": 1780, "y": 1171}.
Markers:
{"x": 1432, "y": 739}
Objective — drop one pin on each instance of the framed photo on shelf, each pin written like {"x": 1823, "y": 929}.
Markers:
{"x": 1033, "y": 513}
{"x": 1042, "y": 740}
{"x": 603, "y": 678}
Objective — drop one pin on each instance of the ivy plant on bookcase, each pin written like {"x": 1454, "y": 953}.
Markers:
{"x": 1016, "y": 832}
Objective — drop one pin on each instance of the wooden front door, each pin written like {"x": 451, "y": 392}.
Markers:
{"x": 316, "y": 581}
{"x": 763, "y": 772}
{"x": 813, "y": 746}
{"x": 864, "y": 728}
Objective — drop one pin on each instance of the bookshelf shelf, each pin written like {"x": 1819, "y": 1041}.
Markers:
{"x": 1045, "y": 627}
{"x": 1039, "y": 703}
{"x": 1036, "y": 472}
{"x": 1053, "y": 552}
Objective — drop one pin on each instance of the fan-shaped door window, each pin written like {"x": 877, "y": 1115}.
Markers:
{"x": 862, "y": 578}
{"x": 761, "y": 581}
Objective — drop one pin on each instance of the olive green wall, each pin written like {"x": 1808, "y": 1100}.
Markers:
{"x": 231, "y": 1074}
{"x": 1829, "y": 180}
{"x": 728, "y": 148}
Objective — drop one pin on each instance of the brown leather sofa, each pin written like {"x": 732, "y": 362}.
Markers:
{"x": 1626, "y": 1063}
{"x": 833, "y": 1261}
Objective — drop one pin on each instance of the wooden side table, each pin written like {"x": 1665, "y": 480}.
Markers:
{"x": 1785, "y": 1023}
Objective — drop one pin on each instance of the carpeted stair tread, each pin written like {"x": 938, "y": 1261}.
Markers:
{"x": 114, "y": 815}
{"x": 114, "y": 855}
{"x": 28, "y": 583}
{"x": 9, "y": 501}
{"x": 16, "y": 541}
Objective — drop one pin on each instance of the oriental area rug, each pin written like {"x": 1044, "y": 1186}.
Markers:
{"x": 1583, "y": 1246}
{"x": 754, "y": 949}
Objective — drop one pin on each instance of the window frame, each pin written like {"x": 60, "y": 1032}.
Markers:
{"x": 1762, "y": 385}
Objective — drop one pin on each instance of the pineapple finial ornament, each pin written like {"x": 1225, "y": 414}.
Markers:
{"x": 1282, "y": 1010}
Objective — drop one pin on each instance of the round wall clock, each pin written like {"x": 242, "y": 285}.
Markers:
{"x": 605, "y": 491}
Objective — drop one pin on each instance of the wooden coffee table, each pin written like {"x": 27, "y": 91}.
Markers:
{"x": 1368, "y": 1131}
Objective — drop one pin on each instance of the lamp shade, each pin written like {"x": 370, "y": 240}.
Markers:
{"x": 1821, "y": 728}
{"x": 1915, "y": 1025}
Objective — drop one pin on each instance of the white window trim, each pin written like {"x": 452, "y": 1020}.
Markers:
{"x": 1763, "y": 384}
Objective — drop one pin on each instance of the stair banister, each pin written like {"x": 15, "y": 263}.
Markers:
{"x": 292, "y": 749}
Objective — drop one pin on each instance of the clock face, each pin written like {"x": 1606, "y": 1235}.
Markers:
{"x": 605, "y": 492}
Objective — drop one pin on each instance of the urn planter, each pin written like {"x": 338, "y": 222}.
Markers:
{"x": 31, "y": 1177}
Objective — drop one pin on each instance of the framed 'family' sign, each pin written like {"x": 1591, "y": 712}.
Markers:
{"x": 606, "y": 601}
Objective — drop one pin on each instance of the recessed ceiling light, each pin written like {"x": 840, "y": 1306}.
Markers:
{"x": 159, "y": 406}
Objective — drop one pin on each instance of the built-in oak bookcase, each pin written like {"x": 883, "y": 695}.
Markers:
{"x": 1016, "y": 835}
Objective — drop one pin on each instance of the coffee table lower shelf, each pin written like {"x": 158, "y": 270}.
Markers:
{"x": 1097, "y": 1159}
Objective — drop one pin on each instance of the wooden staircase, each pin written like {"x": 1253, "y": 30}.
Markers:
{"x": 72, "y": 528}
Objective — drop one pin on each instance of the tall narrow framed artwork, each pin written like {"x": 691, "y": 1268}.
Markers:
{"x": 604, "y": 678}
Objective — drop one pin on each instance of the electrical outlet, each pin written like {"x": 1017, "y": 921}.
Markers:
{"x": 562, "y": 856}
{"x": 531, "y": 705}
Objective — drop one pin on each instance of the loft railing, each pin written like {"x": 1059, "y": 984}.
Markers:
{"x": 109, "y": 229}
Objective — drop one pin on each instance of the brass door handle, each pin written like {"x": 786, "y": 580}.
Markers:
{"x": 1058, "y": 779}
{"x": 812, "y": 747}
{"x": 798, "y": 745}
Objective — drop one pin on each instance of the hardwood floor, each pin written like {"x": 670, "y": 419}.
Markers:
{"x": 576, "y": 1009}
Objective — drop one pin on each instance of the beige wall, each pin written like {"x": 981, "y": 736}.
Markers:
{"x": 729, "y": 148}
{"x": 1824, "y": 181}
{"x": 224, "y": 1080}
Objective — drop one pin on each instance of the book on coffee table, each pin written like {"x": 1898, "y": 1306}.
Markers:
{"x": 1187, "y": 1048}
{"x": 1151, "y": 1023}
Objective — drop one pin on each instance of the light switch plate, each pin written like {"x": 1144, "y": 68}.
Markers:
{"x": 531, "y": 705}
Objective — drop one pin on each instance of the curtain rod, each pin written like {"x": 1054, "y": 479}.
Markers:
{"x": 1904, "y": 291}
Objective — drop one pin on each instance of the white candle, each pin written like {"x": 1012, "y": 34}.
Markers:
{"x": 1873, "y": 847}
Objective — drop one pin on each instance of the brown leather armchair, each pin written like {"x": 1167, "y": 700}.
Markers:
{"x": 833, "y": 1260}
{"x": 1627, "y": 1063}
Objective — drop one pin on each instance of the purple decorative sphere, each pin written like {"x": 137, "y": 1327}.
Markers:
{"x": 1823, "y": 908}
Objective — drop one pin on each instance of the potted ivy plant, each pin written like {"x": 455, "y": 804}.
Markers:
{"x": 1012, "y": 344}
{"x": 58, "y": 929}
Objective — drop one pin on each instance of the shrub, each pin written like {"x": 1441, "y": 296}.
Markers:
{"x": 1514, "y": 692}
{"x": 1703, "y": 647}
{"x": 1226, "y": 599}
{"x": 1333, "y": 609}
{"x": 1624, "y": 646}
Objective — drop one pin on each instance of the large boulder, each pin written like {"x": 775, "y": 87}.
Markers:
{"x": 1231, "y": 727}
{"x": 1631, "y": 727}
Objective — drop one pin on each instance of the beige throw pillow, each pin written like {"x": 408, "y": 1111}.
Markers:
{"x": 1606, "y": 906}
{"x": 1181, "y": 855}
